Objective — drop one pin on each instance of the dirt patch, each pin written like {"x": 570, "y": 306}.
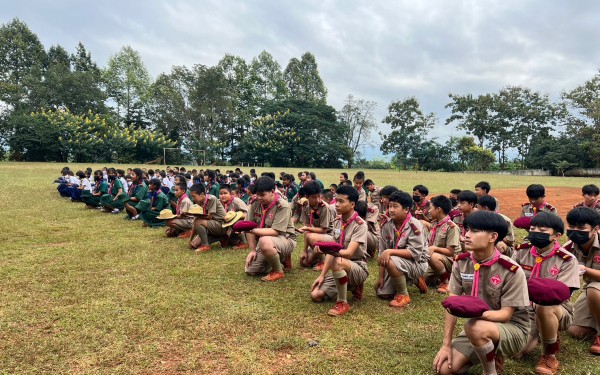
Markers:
{"x": 563, "y": 198}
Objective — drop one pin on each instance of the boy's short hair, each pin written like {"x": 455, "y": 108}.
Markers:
{"x": 150, "y": 171}
{"x": 289, "y": 177}
{"x": 467, "y": 196}
{"x": 80, "y": 174}
{"x": 548, "y": 220}
{"x": 348, "y": 191}
{"x": 455, "y": 191}
{"x": 535, "y": 191}
{"x": 387, "y": 190}
{"x": 484, "y": 185}
{"x": 182, "y": 185}
{"x": 360, "y": 176}
{"x": 264, "y": 183}
{"x": 402, "y": 198}
{"x": 369, "y": 182}
{"x": 188, "y": 176}
{"x": 327, "y": 194}
{"x": 163, "y": 174}
{"x": 442, "y": 202}
{"x": 361, "y": 207}
{"x": 251, "y": 189}
{"x": 268, "y": 174}
{"x": 226, "y": 187}
{"x": 488, "y": 222}
{"x": 198, "y": 189}
{"x": 333, "y": 186}
{"x": 580, "y": 216}
{"x": 155, "y": 182}
{"x": 421, "y": 189}
{"x": 312, "y": 188}
{"x": 301, "y": 192}
{"x": 487, "y": 202}
{"x": 590, "y": 190}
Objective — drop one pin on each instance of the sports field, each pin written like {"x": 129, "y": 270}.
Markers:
{"x": 86, "y": 292}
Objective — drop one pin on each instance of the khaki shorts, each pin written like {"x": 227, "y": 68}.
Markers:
{"x": 372, "y": 243}
{"x": 215, "y": 228}
{"x": 513, "y": 338}
{"x": 582, "y": 315}
{"x": 431, "y": 275}
{"x": 411, "y": 270}
{"x": 284, "y": 246}
{"x": 565, "y": 321}
{"x": 182, "y": 225}
{"x": 358, "y": 275}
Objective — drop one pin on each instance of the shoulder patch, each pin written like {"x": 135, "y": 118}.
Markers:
{"x": 568, "y": 246}
{"x": 523, "y": 246}
{"x": 360, "y": 221}
{"x": 415, "y": 229}
{"x": 566, "y": 256}
{"x": 550, "y": 206}
{"x": 451, "y": 224}
{"x": 462, "y": 256}
{"x": 512, "y": 267}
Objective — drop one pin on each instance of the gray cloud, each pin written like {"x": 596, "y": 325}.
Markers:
{"x": 380, "y": 51}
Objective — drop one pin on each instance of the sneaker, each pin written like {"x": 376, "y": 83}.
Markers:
{"x": 357, "y": 294}
{"x": 187, "y": 234}
{"x": 547, "y": 365}
{"x": 339, "y": 309}
{"x": 319, "y": 266}
{"x": 287, "y": 263}
{"x": 116, "y": 211}
{"x": 422, "y": 285}
{"x": 595, "y": 348}
{"x": 400, "y": 300}
{"x": 136, "y": 217}
{"x": 443, "y": 288}
{"x": 273, "y": 276}
{"x": 241, "y": 246}
{"x": 203, "y": 249}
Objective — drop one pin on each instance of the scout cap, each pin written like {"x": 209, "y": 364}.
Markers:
{"x": 244, "y": 226}
{"x": 465, "y": 306}
{"x": 547, "y": 292}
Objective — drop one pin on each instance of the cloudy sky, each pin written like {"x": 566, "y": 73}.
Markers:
{"x": 375, "y": 50}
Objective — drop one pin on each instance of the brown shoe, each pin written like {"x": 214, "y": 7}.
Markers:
{"x": 443, "y": 288}
{"x": 547, "y": 365}
{"x": 273, "y": 276}
{"x": 400, "y": 301}
{"x": 339, "y": 309}
{"x": 240, "y": 246}
{"x": 358, "y": 292}
{"x": 422, "y": 285}
{"x": 203, "y": 249}
{"x": 187, "y": 234}
{"x": 287, "y": 263}
{"x": 595, "y": 348}
{"x": 319, "y": 266}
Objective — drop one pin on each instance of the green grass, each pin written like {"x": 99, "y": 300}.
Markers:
{"x": 86, "y": 292}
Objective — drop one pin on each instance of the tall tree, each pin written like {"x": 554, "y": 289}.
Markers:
{"x": 473, "y": 114}
{"x": 359, "y": 120}
{"x": 269, "y": 83}
{"x": 303, "y": 79}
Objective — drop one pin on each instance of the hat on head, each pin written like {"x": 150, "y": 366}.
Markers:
{"x": 465, "y": 306}
{"x": 524, "y": 222}
{"x": 244, "y": 226}
{"x": 196, "y": 209}
{"x": 166, "y": 214}
{"x": 231, "y": 218}
{"x": 329, "y": 247}
{"x": 547, "y": 292}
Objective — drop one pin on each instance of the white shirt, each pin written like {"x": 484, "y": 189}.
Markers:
{"x": 87, "y": 185}
{"x": 166, "y": 182}
{"x": 73, "y": 180}
{"x": 124, "y": 182}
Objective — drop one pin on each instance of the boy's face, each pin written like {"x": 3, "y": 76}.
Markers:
{"x": 417, "y": 193}
{"x": 590, "y": 198}
{"x": 452, "y": 196}
{"x": 553, "y": 235}
{"x": 476, "y": 239}
{"x": 313, "y": 200}
{"x": 198, "y": 198}
{"x": 436, "y": 212}
{"x": 385, "y": 200}
{"x": 465, "y": 206}
{"x": 224, "y": 195}
{"x": 332, "y": 189}
{"x": 178, "y": 192}
{"x": 343, "y": 205}
{"x": 371, "y": 187}
{"x": 397, "y": 212}
{"x": 358, "y": 184}
{"x": 480, "y": 192}
{"x": 266, "y": 197}
{"x": 536, "y": 201}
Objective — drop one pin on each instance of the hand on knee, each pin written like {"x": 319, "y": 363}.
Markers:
{"x": 317, "y": 295}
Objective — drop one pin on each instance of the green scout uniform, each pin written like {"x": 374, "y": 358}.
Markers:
{"x": 139, "y": 192}
{"x": 291, "y": 191}
{"x": 159, "y": 202}
{"x": 94, "y": 201}
{"x": 108, "y": 199}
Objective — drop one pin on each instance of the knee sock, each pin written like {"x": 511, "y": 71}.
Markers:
{"x": 202, "y": 232}
{"x": 487, "y": 356}
{"x": 341, "y": 284}
{"x": 275, "y": 262}
{"x": 551, "y": 346}
{"x": 400, "y": 283}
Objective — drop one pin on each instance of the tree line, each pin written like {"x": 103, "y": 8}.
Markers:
{"x": 60, "y": 106}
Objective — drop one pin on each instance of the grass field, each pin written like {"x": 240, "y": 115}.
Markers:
{"x": 85, "y": 292}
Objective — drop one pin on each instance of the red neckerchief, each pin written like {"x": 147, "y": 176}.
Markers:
{"x": 179, "y": 203}
{"x": 477, "y": 265}
{"x": 229, "y": 203}
{"x": 206, "y": 199}
{"x": 111, "y": 186}
{"x": 535, "y": 272}
{"x": 345, "y": 225}
{"x": 399, "y": 232}
{"x": 435, "y": 228}
{"x": 134, "y": 188}
{"x": 267, "y": 209}
{"x": 538, "y": 208}
{"x": 312, "y": 213}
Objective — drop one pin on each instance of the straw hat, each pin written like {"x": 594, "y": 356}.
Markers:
{"x": 231, "y": 218}
{"x": 302, "y": 201}
{"x": 196, "y": 210}
{"x": 166, "y": 214}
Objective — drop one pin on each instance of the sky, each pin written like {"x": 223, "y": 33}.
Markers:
{"x": 381, "y": 51}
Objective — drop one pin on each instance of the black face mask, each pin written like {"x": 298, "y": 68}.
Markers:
{"x": 578, "y": 236}
{"x": 539, "y": 239}
{"x": 111, "y": 178}
{"x": 454, "y": 202}
{"x": 416, "y": 198}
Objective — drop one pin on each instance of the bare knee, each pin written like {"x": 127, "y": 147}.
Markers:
{"x": 317, "y": 295}
{"x": 580, "y": 332}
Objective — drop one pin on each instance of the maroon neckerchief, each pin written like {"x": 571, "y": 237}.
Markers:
{"x": 398, "y": 232}
{"x": 97, "y": 187}
{"x": 345, "y": 225}
{"x": 435, "y": 228}
{"x": 267, "y": 209}
{"x": 206, "y": 199}
{"x": 535, "y": 272}
{"x": 477, "y": 265}
{"x": 134, "y": 188}
{"x": 538, "y": 208}
{"x": 312, "y": 213}
{"x": 179, "y": 203}
{"x": 229, "y": 203}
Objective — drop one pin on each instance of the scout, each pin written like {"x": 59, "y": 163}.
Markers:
{"x": 137, "y": 193}
{"x": 483, "y": 189}
{"x": 182, "y": 222}
{"x": 545, "y": 258}
{"x": 467, "y": 202}
{"x": 114, "y": 201}
{"x": 374, "y": 193}
{"x": 537, "y": 202}
{"x": 454, "y": 198}
{"x": 385, "y": 192}
{"x": 496, "y": 279}
{"x": 370, "y": 213}
{"x": 590, "y": 197}
{"x": 349, "y": 269}
{"x": 231, "y": 203}
{"x": 275, "y": 238}
{"x": 359, "y": 180}
{"x": 403, "y": 252}
{"x": 100, "y": 188}
{"x": 506, "y": 246}
{"x": 421, "y": 208}
{"x": 583, "y": 228}
{"x": 150, "y": 208}
{"x": 212, "y": 186}
{"x": 444, "y": 242}
{"x": 290, "y": 187}
{"x": 211, "y": 223}
{"x": 317, "y": 220}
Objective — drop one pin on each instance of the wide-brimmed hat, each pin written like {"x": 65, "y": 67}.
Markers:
{"x": 231, "y": 218}
{"x": 166, "y": 214}
{"x": 302, "y": 201}
{"x": 196, "y": 210}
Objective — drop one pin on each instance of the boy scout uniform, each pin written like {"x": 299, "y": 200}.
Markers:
{"x": 321, "y": 216}
{"x": 375, "y": 197}
{"x": 501, "y": 284}
{"x": 561, "y": 266}
{"x": 278, "y": 218}
{"x": 374, "y": 229}
{"x": 530, "y": 210}
{"x": 236, "y": 204}
{"x": 446, "y": 235}
{"x": 186, "y": 223}
{"x": 362, "y": 194}
{"x": 595, "y": 206}
{"x": 423, "y": 206}
{"x": 212, "y": 205}
{"x": 411, "y": 238}
{"x": 583, "y": 316}
{"x": 356, "y": 231}
{"x": 510, "y": 236}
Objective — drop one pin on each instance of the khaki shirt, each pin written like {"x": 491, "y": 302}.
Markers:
{"x": 562, "y": 267}
{"x": 423, "y": 206}
{"x": 373, "y": 219}
{"x": 411, "y": 238}
{"x": 498, "y": 286}
{"x": 595, "y": 206}
{"x": 214, "y": 206}
{"x": 528, "y": 209}
{"x": 362, "y": 194}
{"x": 184, "y": 206}
{"x": 322, "y": 217}
{"x": 590, "y": 260}
{"x": 236, "y": 205}
{"x": 357, "y": 232}
{"x": 375, "y": 196}
{"x": 447, "y": 235}
{"x": 510, "y": 236}
{"x": 278, "y": 217}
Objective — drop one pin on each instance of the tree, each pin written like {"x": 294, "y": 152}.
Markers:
{"x": 359, "y": 120}
{"x": 303, "y": 79}
{"x": 268, "y": 80}
{"x": 409, "y": 124}
{"x": 473, "y": 114}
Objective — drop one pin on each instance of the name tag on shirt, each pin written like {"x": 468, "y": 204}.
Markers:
{"x": 467, "y": 276}
{"x": 528, "y": 214}
{"x": 337, "y": 232}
